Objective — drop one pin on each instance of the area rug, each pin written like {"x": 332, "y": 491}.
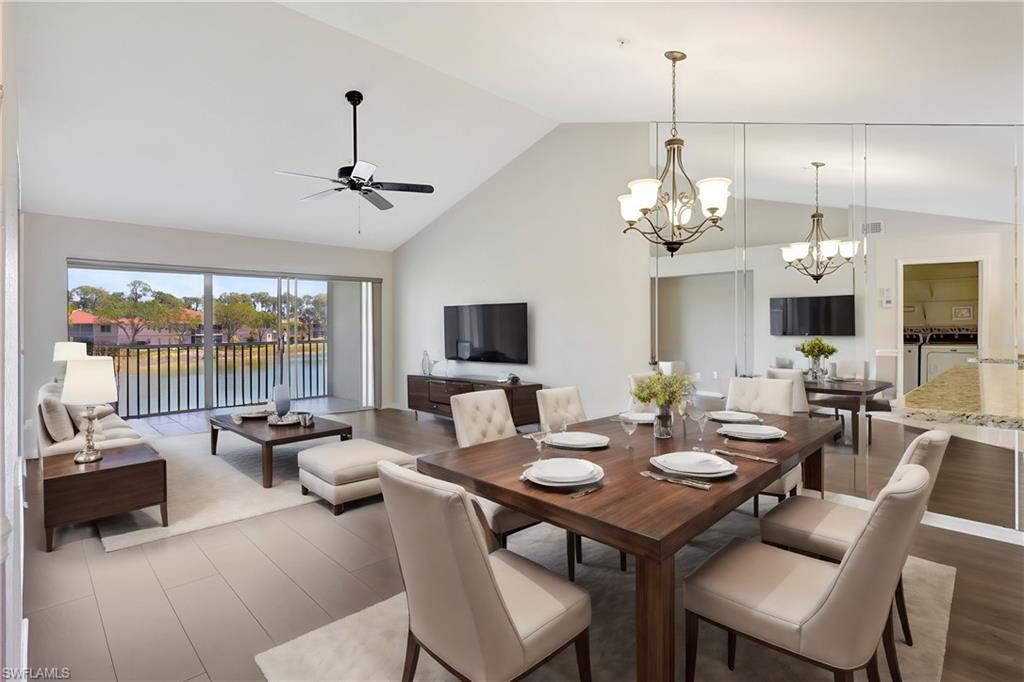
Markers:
{"x": 370, "y": 645}
{"x": 205, "y": 490}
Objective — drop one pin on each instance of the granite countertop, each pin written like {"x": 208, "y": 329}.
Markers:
{"x": 977, "y": 393}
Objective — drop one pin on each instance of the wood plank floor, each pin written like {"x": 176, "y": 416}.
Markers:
{"x": 199, "y": 606}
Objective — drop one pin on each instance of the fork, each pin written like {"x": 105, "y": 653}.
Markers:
{"x": 678, "y": 481}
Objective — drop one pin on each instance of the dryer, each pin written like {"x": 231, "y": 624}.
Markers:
{"x": 945, "y": 350}
{"x": 912, "y": 360}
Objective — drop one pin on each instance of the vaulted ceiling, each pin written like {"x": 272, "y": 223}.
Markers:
{"x": 178, "y": 114}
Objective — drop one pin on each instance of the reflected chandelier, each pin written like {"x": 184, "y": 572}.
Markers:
{"x": 660, "y": 208}
{"x": 816, "y": 256}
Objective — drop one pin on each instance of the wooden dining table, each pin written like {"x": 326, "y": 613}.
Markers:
{"x": 652, "y": 520}
{"x": 849, "y": 395}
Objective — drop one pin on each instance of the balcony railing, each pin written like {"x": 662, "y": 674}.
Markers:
{"x": 164, "y": 379}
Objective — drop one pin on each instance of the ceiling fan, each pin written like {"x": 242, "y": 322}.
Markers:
{"x": 359, "y": 177}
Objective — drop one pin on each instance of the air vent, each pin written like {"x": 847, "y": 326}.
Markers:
{"x": 874, "y": 228}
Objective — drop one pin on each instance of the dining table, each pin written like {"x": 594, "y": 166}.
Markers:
{"x": 649, "y": 519}
{"x": 847, "y": 394}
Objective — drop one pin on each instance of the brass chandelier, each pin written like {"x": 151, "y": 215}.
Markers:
{"x": 816, "y": 256}
{"x": 660, "y": 209}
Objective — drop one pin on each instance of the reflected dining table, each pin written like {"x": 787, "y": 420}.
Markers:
{"x": 652, "y": 520}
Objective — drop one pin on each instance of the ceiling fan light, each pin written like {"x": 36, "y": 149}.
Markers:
{"x": 848, "y": 249}
{"x": 829, "y": 248}
{"x": 645, "y": 192}
{"x": 800, "y": 250}
{"x": 714, "y": 194}
{"x": 628, "y": 209}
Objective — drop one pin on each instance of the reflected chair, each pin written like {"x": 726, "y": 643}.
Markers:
{"x": 635, "y": 405}
{"x": 830, "y": 615}
{"x": 827, "y": 530}
{"x": 482, "y": 612}
{"x": 672, "y": 367}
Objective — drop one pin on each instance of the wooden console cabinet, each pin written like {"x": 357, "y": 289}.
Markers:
{"x": 433, "y": 395}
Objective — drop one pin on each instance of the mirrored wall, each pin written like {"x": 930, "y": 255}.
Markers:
{"x": 928, "y": 307}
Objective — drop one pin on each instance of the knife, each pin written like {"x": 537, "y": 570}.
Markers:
{"x": 755, "y": 458}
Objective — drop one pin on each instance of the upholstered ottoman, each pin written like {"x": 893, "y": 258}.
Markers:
{"x": 346, "y": 471}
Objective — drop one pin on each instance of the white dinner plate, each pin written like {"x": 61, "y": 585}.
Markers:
{"x": 580, "y": 440}
{"x": 597, "y": 476}
{"x": 752, "y": 431}
{"x": 694, "y": 462}
{"x": 563, "y": 470}
{"x": 673, "y": 472}
{"x": 731, "y": 417}
{"x": 639, "y": 417}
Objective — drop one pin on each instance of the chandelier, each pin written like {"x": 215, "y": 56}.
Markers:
{"x": 660, "y": 208}
{"x": 817, "y": 255}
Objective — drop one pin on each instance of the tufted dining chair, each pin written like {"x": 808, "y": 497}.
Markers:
{"x": 829, "y": 615}
{"x": 484, "y": 613}
{"x": 826, "y": 529}
{"x": 559, "y": 407}
{"x": 774, "y": 396}
{"x": 480, "y": 417}
{"x": 635, "y": 405}
{"x": 672, "y": 367}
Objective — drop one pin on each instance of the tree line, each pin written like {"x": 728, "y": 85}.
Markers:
{"x": 140, "y": 307}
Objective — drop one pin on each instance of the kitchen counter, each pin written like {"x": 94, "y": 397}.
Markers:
{"x": 982, "y": 394}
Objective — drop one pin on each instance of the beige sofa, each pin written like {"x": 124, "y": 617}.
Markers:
{"x": 59, "y": 427}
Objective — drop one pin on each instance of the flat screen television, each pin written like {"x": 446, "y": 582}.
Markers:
{"x": 493, "y": 332}
{"x": 813, "y": 316}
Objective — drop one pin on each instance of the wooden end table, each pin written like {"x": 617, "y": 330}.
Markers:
{"x": 126, "y": 479}
{"x": 259, "y": 431}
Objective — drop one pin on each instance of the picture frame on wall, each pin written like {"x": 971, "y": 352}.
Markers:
{"x": 963, "y": 312}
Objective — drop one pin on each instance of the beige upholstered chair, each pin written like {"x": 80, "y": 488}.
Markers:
{"x": 830, "y": 615}
{"x": 559, "y": 407}
{"x": 480, "y": 417}
{"x": 635, "y": 405}
{"x": 799, "y": 393}
{"x": 826, "y": 529}
{"x": 483, "y": 614}
{"x": 672, "y": 367}
{"x": 774, "y": 396}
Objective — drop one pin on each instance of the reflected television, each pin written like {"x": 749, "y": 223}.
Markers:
{"x": 493, "y": 332}
{"x": 813, "y": 316}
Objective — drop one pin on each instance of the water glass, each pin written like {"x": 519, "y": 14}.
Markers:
{"x": 701, "y": 417}
{"x": 629, "y": 426}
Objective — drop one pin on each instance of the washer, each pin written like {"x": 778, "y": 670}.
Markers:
{"x": 912, "y": 360}
{"x": 945, "y": 350}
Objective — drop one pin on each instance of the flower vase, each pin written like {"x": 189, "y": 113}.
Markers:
{"x": 815, "y": 372}
{"x": 663, "y": 422}
{"x": 282, "y": 401}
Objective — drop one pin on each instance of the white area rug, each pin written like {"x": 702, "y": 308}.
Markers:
{"x": 370, "y": 645}
{"x": 205, "y": 490}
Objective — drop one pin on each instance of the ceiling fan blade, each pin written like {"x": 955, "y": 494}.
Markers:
{"x": 376, "y": 199}
{"x": 403, "y": 187}
{"x": 363, "y": 170}
{"x": 306, "y": 175}
{"x": 321, "y": 194}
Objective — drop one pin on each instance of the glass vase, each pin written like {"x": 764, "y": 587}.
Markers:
{"x": 663, "y": 422}
{"x": 815, "y": 372}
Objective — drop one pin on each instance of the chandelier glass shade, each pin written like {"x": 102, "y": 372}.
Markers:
{"x": 660, "y": 209}
{"x": 819, "y": 255}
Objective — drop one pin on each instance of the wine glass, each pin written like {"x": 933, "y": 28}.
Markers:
{"x": 629, "y": 426}
{"x": 538, "y": 439}
{"x": 565, "y": 423}
{"x": 701, "y": 417}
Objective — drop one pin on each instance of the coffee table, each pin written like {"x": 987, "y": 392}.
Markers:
{"x": 126, "y": 479}
{"x": 259, "y": 431}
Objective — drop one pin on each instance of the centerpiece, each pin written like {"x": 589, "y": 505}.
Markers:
{"x": 665, "y": 391}
{"x": 815, "y": 349}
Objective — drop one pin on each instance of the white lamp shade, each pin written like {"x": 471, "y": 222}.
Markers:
{"x": 800, "y": 250}
{"x": 679, "y": 213}
{"x": 68, "y": 350}
{"x": 628, "y": 209}
{"x": 829, "y": 248}
{"x": 90, "y": 381}
{"x": 714, "y": 194}
{"x": 645, "y": 192}
{"x": 848, "y": 249}
{"x": 788, "y": 254}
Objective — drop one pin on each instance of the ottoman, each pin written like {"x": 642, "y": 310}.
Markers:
{"x": 346, "y": 471}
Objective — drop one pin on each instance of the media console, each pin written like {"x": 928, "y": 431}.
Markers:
{"x": 433, "y": 394}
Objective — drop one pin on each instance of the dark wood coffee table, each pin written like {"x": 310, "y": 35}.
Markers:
{"x": 125, "y": 479}
{"x": 259, "y": 431}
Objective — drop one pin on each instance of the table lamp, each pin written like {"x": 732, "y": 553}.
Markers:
{"x": 68, "y": 350}
{"x": 89, "y": 382}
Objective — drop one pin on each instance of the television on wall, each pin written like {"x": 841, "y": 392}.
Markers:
{"x": 813, "y": 316}
{"x": 493, "y": 332}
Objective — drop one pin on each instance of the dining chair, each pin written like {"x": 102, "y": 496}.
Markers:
{"x": 774, "y": 396}
{"x": 560, "y": 407}
{"x": 672, "y": 367}
{"x": 480, "y": 417}
{"x": 484, "y": 613}
{"x": 635, "y": 405}
{"x": 827, "y": 530}
{"x": 830, "y": 615}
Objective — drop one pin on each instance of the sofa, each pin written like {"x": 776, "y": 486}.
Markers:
{"x": 60, "y": 428}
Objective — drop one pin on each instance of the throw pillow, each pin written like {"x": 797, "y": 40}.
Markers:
{"x": 56, "y": 419}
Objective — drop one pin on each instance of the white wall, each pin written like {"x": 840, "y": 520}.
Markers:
{"x": 346, "y": 340}
{"x": 48, "y": 241}
{"x": 544, "y": 230}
